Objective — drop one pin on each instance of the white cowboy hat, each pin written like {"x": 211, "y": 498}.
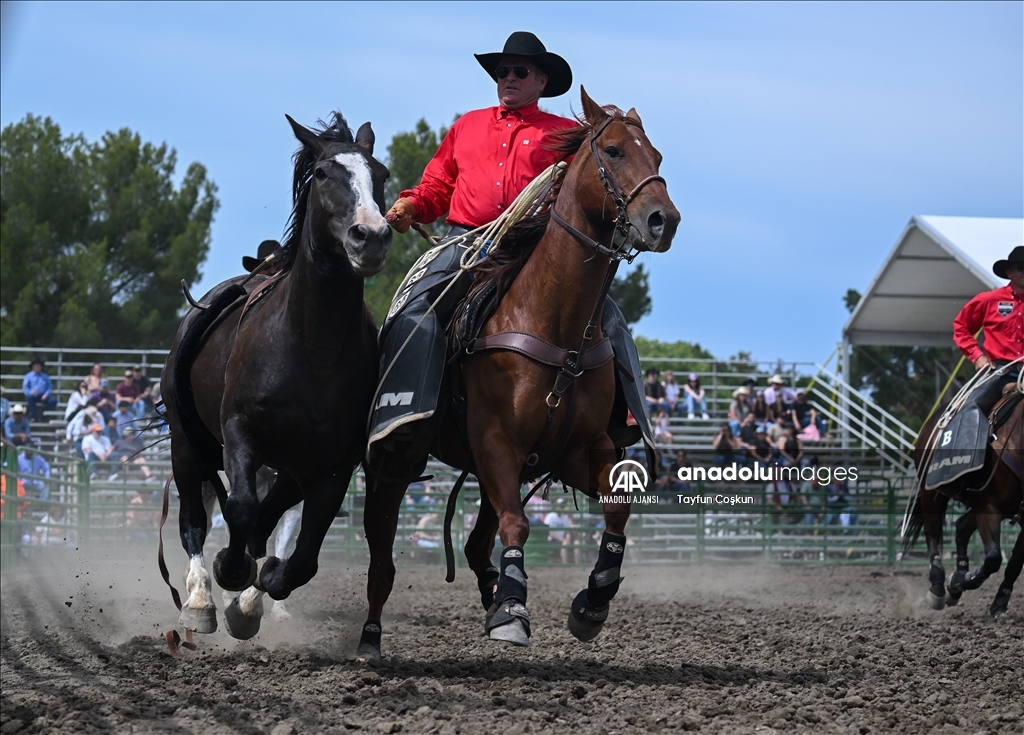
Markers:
{"x": 777, "y": 379}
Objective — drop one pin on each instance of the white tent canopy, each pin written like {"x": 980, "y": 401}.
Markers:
{"x": 937, "y": 266}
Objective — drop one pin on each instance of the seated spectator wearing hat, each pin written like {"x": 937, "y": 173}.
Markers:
{"x": 16, "y": 426}
{"x": 38, "y": 391}
{"x": 104, "y": 400}
{"x": 96, "y": 447}
{"x": 34, "y": 471}
{"x": 128, "y": 448}
{"x": 694, "y": 397}
{"x": 738, "y": 408}
{"x": 654, "y": 392}
{"x": 79, "y": 426}
{"x": 777, "y": 394}
{"x": 264, "y": 251}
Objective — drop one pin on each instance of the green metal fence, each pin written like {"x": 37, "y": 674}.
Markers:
{"x": 95, "y": 505}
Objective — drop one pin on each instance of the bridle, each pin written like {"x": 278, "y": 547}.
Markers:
{"x": 619, "y": 249}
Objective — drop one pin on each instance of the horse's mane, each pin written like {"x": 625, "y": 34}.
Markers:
{"x": 335, "y": 131}
{"x": 503, "y": 264}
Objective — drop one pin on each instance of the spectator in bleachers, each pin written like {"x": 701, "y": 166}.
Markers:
{"x": 78, "y": 400}
{"x": 748, "y": 429}
{"x": 79, "y": 426}
{"x": 762, "y": 413}
{"x": 145, "y": 404}
{"x": 805, "y": 415}
{"x": 662, "y": 434}
{"x": 16, "y": 426}
{"x": 694, "y": 397}
{"x": 103, "y": 399}
{"x": 38, "y": 391}
{"x": 840, "y": 506}
{"x": 110, "y": 429}
{"x": 726, "y": 446}
{"x": 761, "y": 449}
{"x": 128, "y": 449}
{"x": 654, "y": 392}
{"x": 777, "y": 389}
{"x": 124, "y": 416}
{"x": 96, "y": 447}
{"x": 791, "y": 449}
{"x": 128, "y": 390}
{"x": 672, "y": 394}
{"x": 30, "y": 463}
{"x": 94, "y": 380}
{"x": 777, "y": 430}
{"x": 674, "y": 483}
{"x": 5, "y": 405}
{"x": 738, "y": 408}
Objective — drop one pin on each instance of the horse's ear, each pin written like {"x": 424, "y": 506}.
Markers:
{"x": 306, "y": 136}
{"x": 365, "y": 137}
{"x": 632, "y": 115}
{"x": 594, "y": 113}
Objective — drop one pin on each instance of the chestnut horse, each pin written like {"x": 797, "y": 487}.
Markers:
{"x": 539, "y": 383}
{"x": 999, "y": 495}
{"x": 284, "y": 381}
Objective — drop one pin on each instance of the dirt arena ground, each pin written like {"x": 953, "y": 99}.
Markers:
{"x": 714, "y": 648}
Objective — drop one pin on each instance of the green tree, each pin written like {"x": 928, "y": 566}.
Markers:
{"x": 408, "y": 155}
{"x": 95, "y": 237}
{"x": 905, "y": 381}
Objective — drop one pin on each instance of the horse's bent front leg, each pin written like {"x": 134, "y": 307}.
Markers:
{"x": 233, "y": 568}
{"x": 322, "y": 499}
{"x": 591, "y": 606}
{"x": 988, "y": 527}
{"x": 1013, "y": 568}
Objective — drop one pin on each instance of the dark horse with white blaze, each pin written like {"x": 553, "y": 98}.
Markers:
{"x": 539, "y": 383}
{"x": 997, "y": 494}
{"x": 281, "y": 373}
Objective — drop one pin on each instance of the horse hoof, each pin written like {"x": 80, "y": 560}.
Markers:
{"x": 368, "y": 650}
{"x": 202, "y": 620}
{"x": 239, "y": 625}
{"x": 934, "y": 601}
{"x": 999, "y": 605}
{"x": 488, "y": 615}
{"x": 952, "y": 599}
{"x": 584, "y": 630}
{"x": 369, "y": 640}
{"x": 278, "y": 612}
{"x": 513, "y": 632}
{"x": 234, "y": 584}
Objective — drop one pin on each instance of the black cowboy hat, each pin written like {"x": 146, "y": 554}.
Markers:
{"x": 266, "y": 248}
{"x": 524, "y": 43}
{"x": 1016, "y": 257}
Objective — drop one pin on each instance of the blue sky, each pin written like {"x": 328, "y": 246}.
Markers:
{"x": 798, "y": 138}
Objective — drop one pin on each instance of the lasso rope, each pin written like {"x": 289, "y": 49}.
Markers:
{"x": 483, "y": 238}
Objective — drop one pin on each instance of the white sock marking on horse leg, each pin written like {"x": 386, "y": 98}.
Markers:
{"x": 198, "y": 584}
{"x": 250, "y": 602}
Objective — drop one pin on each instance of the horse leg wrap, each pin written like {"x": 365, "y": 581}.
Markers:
{"x": 510, "y": 598}
{"x": 369, "y": 639}
{"x": 937, "y": 577}
{"x": 955, "y": 584}
{"x": 604, "y": 580}
{"x": 485, "y": 582}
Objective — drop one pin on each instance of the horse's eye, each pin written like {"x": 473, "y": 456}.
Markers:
{"x": 612, "y": 152}
{"x": 320, "y": 174}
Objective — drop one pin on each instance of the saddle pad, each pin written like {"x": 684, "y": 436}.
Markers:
{"x": 959, "y": 448}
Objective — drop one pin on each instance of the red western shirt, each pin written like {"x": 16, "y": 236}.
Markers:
{"x": 484, "y": 162}
{"x": 1001, "y": 313}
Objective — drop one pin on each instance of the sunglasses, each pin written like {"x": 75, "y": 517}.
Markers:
{"x": 521, "y": 72}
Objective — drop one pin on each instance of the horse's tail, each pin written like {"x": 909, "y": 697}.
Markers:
{"x": 201, "y": 441}
{"x": 914, "y": 523}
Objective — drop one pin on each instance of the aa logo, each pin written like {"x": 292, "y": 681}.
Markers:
{"x": 628, "y": 476}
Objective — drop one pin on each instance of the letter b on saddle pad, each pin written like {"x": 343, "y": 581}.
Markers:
{"x": 959, "y": 448}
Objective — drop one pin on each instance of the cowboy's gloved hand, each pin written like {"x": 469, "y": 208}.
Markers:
{"x": 982, "y": 362}
{"x": 400, "y": 215}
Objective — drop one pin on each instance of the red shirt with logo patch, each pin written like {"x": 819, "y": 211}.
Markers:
{"x": 487, "y": 158}
{"x": 1001, "y": 313}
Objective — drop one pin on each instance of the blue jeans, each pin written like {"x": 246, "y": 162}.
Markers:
{"x": 692, "y": 403}
{"x": 48, "y": 404}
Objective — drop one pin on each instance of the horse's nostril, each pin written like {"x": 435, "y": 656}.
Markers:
{"x": 359, "y": 232}
{"x": 656, "y": 222}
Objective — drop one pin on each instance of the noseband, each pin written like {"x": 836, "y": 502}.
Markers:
{"x": 619, "y": 248}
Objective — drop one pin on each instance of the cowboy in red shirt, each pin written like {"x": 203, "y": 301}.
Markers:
{"x": 961, "y": 444}
{"x": 489, "y": 156}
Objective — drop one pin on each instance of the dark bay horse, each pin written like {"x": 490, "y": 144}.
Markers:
{"x": 539, "y": 383}
{"x": 281, "y": 374}
{"x": 1001, "y": 496}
